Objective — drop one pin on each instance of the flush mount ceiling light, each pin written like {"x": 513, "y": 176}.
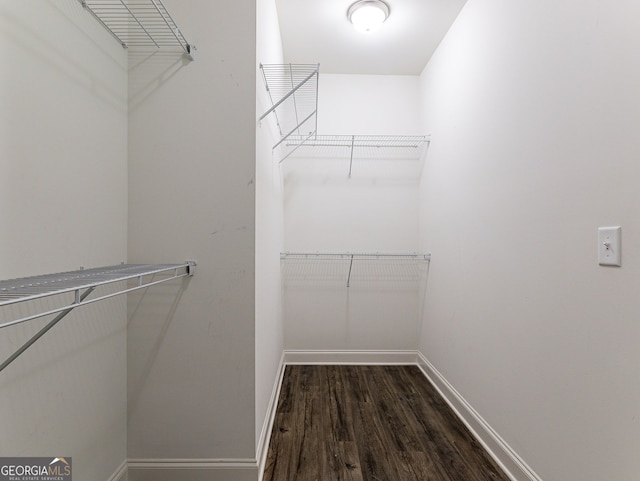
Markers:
{"x": 368, "y": 15}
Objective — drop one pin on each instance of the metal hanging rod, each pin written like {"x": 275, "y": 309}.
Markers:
{"x": 81, "y": 283}
{"x": 368, "y": 141}
{"x": 366, "y": 147}
{"x": 352, "y": 255}
{"x": 139, "y": 23}
{"x": 293, "y": 93}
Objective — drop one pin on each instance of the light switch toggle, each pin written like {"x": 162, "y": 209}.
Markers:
{"x": 609, "y": 246}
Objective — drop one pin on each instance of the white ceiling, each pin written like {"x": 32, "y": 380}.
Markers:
{"x": 318, "y": 31}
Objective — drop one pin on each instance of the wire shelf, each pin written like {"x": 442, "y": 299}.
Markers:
{"x": 364, "y": 146}
{"x": 293, "y": 93}
{"x": 73, "y": 288}
{"x": 356, "y": 147}
{"x": 30, "y": 288}
{"x": 302, "y": 268}
{"x": 139, "y": 23}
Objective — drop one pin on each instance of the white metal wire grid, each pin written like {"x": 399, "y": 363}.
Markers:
{"x": 68, "y": 290}
{"x": 352, "y": 268}
{"x": 37, "y": 287}
{"x": 357, "y": 147}
{"x": 293, "y": 92}
{"x": 138, "y": 23}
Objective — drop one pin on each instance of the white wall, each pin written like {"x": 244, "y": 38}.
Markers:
{"x": 533, "y": 110}
{"x": 63, "y": 151}
{"x": 376, "y": 210}
{"x": 63, "y": 204}
{"x": 192, "y": 196}
{"x": 269, "y": 231}
{"x": 368, "y": 104}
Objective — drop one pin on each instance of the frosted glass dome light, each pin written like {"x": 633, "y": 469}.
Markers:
{"x": 368, "y": 15}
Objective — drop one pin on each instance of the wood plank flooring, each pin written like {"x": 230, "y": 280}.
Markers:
{"x": 370, "y": 423}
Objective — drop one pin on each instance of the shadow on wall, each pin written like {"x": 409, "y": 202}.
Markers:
{"x": 74, "y": 65}
{"x": 81, "y": 332}
{"x": 337, "y": 304}
{"x": 341, "y": 170}
{"x": 150, "y": 69}
{"x": 146, "y": 307}
{"x": 75, "y": 373}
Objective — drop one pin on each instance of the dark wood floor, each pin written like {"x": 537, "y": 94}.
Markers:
{"x": 370, "y": 423}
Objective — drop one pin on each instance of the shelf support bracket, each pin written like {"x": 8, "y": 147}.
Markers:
{"x": 296, "y": 148}
{"x": 191, "y": 268}
{"x": 43, "y": 331}
{"x": 294, "y": 129}
{"x": 353, "y": 140}
{"x": 349, "y": 276}
{"x": 291, "y": 92}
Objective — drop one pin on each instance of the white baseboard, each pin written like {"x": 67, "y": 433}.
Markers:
{"x": 120, "y": 474}
{"x": 213, "y": 469}
{"x": 499, "y": 450}
{"x": 193, "y": 469}
{"x": 263, "y": 441}
{"x": 349, "y": 357}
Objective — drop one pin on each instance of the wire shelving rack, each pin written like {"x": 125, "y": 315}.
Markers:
{"x": 139, "y": 23}
{"x": 72, "y": 289}
{"x": 349, "y": 267}
{"x": 357, "y": 147}
{"x": 293, "y": 93}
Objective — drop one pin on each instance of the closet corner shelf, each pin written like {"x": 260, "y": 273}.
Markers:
{"x": 77, "y": 285}
{"x": 293, "y": 92}
{"x": 139, "y": 23}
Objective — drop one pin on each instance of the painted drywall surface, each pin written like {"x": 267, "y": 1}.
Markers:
{"x": 328, "y": 212}
{"x": 368, "y": 315}
{"x": 63, "y": 204}
{"x": 374, "y": 210}
{"x": 269, "y": 227}
{"x": 533, "y": 110}
{"x": 63, "y": 94}
{"x": 192, "y": 196}
{"x": 368, "y": 104}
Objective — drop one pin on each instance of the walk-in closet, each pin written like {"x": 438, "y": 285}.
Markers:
{"x": 244, "y": 240}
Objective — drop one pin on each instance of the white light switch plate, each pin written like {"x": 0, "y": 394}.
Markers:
{"x": 609, "y": 246}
